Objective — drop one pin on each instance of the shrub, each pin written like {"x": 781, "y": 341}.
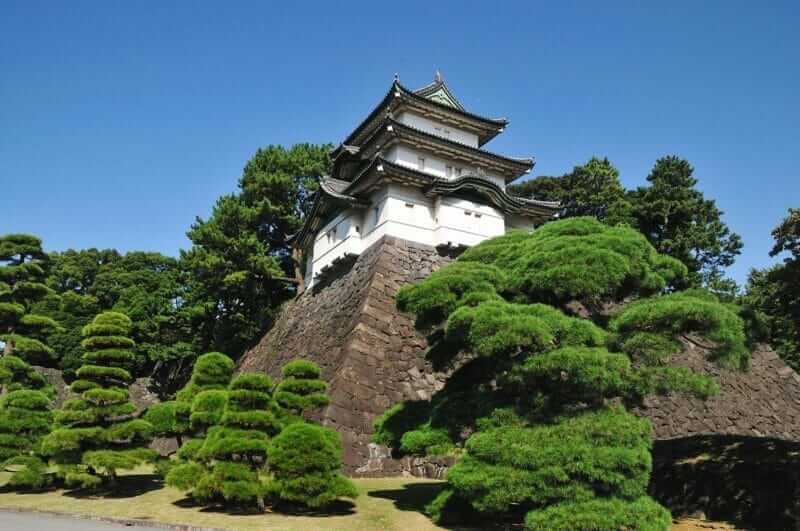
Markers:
{"x": 305, "y": 460}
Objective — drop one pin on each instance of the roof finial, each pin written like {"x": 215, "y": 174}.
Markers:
{"x": 438, "y": 77}
{"x": 396, "y": 77}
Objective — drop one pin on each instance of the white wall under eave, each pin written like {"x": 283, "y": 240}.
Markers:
{"x": 438, "y": 128}
{"x": 401, "y": 212}
{"x": 435, "y": 165}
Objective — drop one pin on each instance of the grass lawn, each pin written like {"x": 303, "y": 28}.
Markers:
{"x": 383, "y": 504}
{"x": 390, "y": 504}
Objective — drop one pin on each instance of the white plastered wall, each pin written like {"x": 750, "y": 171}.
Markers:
{"x": 438, "y": 128}
{"x": 434, "y": 164}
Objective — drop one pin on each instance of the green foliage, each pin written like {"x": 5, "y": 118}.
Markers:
{"x": 604, "y": 514}
{"x": 301, "y": 388}
{"x": 231, "y": 458}
{"x": 250, "y": 446}
{"x": 241, "y": 254}
{"x": 680, "y": 222}
{"x": 641, "y": 322}
{"x": 25, "y": 415}
{"x": 304, "y": 460}
{"x": 524, "y": 318}
{"x": 577, "y": 259}
{"x": 593, "y": 189}
{"x": 148, "y": 287}
{"x": 772, "y": 300}
{"x": 22, "y": 274}
{"x": 96, "y": 434}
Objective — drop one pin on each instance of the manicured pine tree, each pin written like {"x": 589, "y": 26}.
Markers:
{"x": 211, "y": 372}
{"x": 22, "y": 276}
{"x": 536, "y": 405}
{"x": 97, "y": 434}
{"x": 231, "y": 465}
{"x": 25, "y": 414}
{"x": 302, "y": 388}
{"x": 305, "y": 461}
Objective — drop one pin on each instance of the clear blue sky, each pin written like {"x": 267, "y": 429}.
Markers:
{"x": 122, "y": 121}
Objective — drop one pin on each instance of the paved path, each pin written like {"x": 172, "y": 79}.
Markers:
{"x": 43, "y": 522}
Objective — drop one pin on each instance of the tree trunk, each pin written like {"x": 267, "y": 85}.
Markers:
{"x": 8, "y": 349}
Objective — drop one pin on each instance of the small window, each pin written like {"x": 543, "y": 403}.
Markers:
{"x": 458, "y": 172}
{"x": 358, "y": 229}
{"x": 467, "y": 213}
{"x": 377, "y": 213}
{"x": 447, "y": 133}
{"x": 410, "y": 205}
{"x": 448, "y": 171}
{"x": 478, "y": 214}
{"x": 421, "y": 163}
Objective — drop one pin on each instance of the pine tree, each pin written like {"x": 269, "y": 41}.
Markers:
{"x": 25, "y": 415}
{"x": 22, "y": 277}
{"x": 97, "y": 434}
{"x": 536, "y": 405}
{"x": 231, "y": 464}
{"x": 591, "y": 189}
{"x": 229, "y": 461}
{"x": 196, "y": 407}
{"x": 305, "y": 462}
{"x": 679, "y": 221}
{"x": 301, "y": 388}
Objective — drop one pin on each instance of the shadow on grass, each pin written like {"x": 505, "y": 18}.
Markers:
{"x": 751, "y": 482}
{"x": 412, "y": 497}
{"x": 127, "y": 486}
{"x": 337, "y": 508}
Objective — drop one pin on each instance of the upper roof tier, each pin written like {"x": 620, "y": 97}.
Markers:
{"x": 434, "y": 100}
{"x": 389, "y": 131}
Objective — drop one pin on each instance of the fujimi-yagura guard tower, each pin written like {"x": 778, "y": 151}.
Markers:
{"x": 415, "y": 169}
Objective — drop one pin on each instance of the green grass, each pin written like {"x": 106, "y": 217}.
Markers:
{"x": 392, "y": 504}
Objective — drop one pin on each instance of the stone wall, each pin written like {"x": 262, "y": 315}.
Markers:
{"x": 761, "y": 402}
{"x": 370, "y": 353}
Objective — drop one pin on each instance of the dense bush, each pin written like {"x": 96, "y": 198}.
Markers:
{"x": 524, "y": 321}
{"x": 97, "y": 434}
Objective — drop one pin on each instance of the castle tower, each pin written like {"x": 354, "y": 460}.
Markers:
{"x": 415, "y": 169}
{"x": 410, "y": 187}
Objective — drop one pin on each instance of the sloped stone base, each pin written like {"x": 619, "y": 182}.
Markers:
{"x": 370, "y": 353}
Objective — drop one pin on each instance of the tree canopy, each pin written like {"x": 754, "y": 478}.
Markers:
{"x": 591, "y": 189}
{"x": 775, "y": 291}
{"x": 241, "y": 266}
{"x": 535, "y": 401}
{"x": 670, "y": 211}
